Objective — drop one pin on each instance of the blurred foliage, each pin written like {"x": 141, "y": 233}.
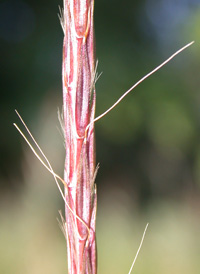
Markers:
{"x": 148, "y": 146}
{"x": 31, "y": 241}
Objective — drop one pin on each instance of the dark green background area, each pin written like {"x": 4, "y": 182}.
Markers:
{"x": 148, "y": 147}
{"x": 153, "y": 135}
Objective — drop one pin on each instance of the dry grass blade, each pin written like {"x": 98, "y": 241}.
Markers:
{"x": 49, "y": 167}
{"x": 136, "y": 84}
{"x": 138, "y": 251}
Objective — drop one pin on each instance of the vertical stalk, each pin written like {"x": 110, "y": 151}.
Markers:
{"x": 79, "y": 98}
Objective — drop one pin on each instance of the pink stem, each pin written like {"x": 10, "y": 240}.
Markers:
{"x": 79, "y": 107}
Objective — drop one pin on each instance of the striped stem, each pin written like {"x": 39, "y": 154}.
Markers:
{"x": 79, "y": 99}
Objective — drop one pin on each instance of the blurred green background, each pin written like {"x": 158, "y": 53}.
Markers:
{"x": 148, "y": 147}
